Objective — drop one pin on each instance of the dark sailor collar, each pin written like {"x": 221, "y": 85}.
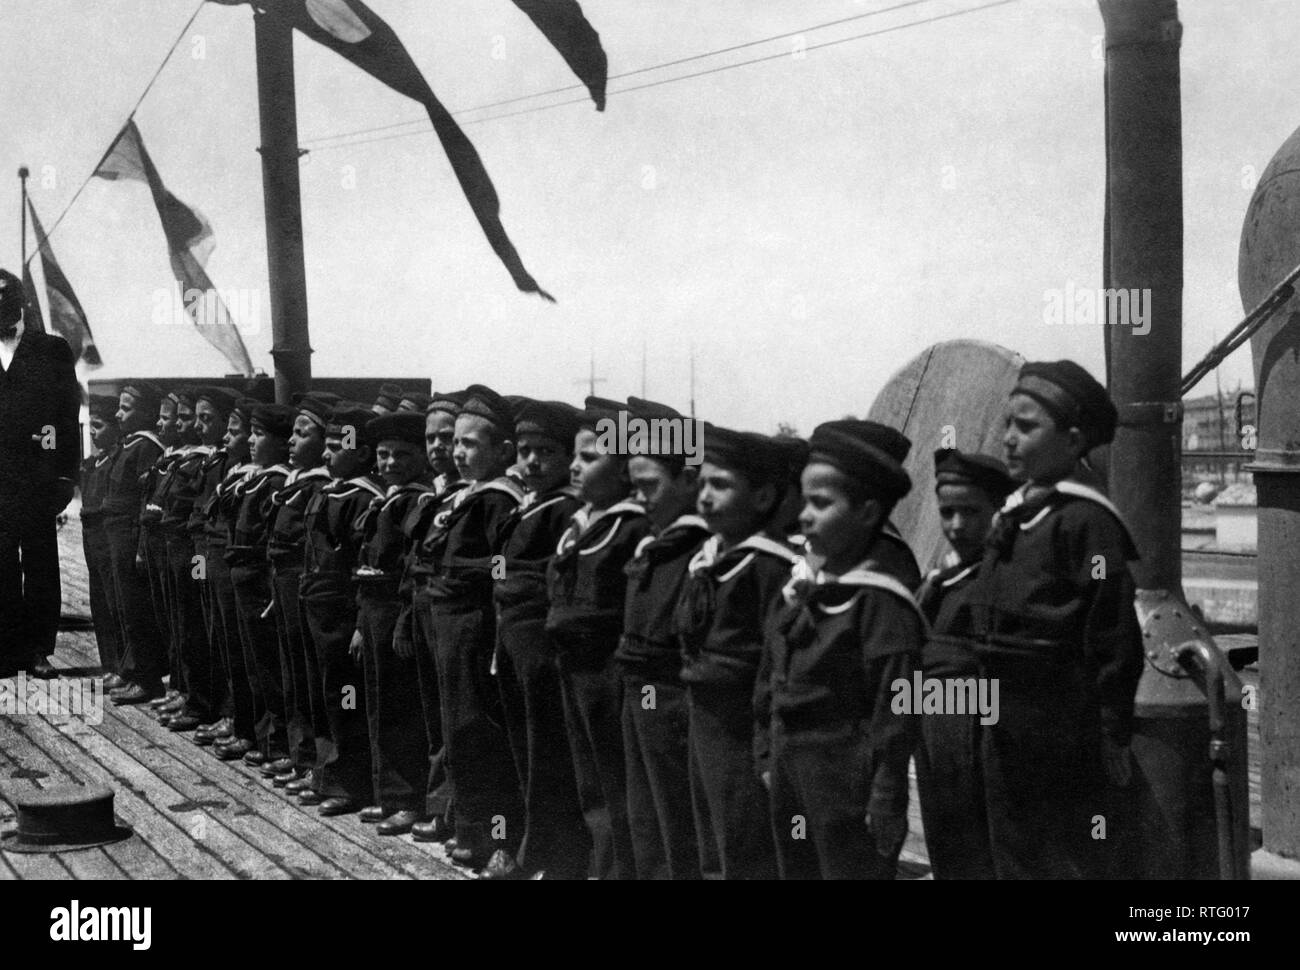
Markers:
{"x": 135, "y": 437}
{"x": 711, "y": 553}
{"x": 682, "y": 522}
{"x": 1064, "y": 487}
{"x": 804, "y": 581}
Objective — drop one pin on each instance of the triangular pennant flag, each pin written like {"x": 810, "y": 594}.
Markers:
{"x": 570, "y": 33}
{"x": 352, "y": 29}
{"x": 189, "y": 243}
{"x": 67, "y": 318}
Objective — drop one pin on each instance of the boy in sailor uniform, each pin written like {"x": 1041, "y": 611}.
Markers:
{"x": 1052, "y": 617}
{"x": 304, "y": 701}
{"x": 415, "y": 622}
{"x": 152, "y": 551}
{"x": 212, "y": 409}
{"x": 185, "y": 481}
{"x": 655, "y": 715}
{"x": 969, "y": 489}
{"x": 342, "y": 772}
{"x": 555, "y": 842}
{"x": 838, "y": 751}
{"x": 144, "y": 654}
{"x": 454, "y": 588}
{"x": 732, "y": 590}
{"x": 587, "y": 586}
{"x": 398, "y": 746}
{"x": 457, "y": 604}
{"x": 250, "y": 574}
{"x": 94, "y": 483}
{"x": 220, "y": 510}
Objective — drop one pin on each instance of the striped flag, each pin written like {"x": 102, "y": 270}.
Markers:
{"x": 189, "y": 244}
{"x": 66, "y": 316}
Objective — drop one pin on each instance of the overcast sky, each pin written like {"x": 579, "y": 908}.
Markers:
{"x": 809, "y": 223}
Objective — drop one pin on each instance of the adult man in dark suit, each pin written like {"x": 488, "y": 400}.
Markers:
{"x": 39, "y": 456}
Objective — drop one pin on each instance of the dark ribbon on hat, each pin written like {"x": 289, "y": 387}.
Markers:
{"x": 1062, "y": 406}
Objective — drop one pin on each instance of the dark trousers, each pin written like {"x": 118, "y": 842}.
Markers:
{"x": 158, "y": 574}
{"x": 950, "y": 781}
{"x": 593, "y": 708}
{"x": 656, "y": 721}
{"x": 30, "y": 596}
{"x": 555, "y": 834}
{"x": 103, "y": 607}
{"x": 144, "y": 654}
{"x": 229, "y": 645}
{"x": 473, "y": 727}
{"x": 399, "y": 748}
{"x": 820, "y": 789}
{"x": 191, "y": 647}
{"x": 1043, "y": 781}
{"x": 212, "y": 631}
{"x": 343, "y": 749}
{"x": 261, "y": 653}
{"x": 440, "y": 792}
{"x": 722, "y": 743}
{"x": 295, "y": 673}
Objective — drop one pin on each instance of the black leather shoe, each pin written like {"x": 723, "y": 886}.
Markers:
{"x": 113, "y": 682}
{"x": 503, "y": 866}
{"x": 166, "y": 698}
{"x": 223, "y": 728}
{"x": 399, "y": 823}
{"x": 309, "y": 797}
{"x": 282, "y": 779}
{"x": 434, "y": 830}
{"x": 339, "y": 805}
{"x": 473, "y": 847}
{"x": 135, "y": 694}
{"x": 182, "y": 722}
{"x": 236, "y": 749}
{"x": 300, "y": 784}
{"x": 276, "y": 766}
{"x": 253, "y": 758}
{"x": 372, "y": 814}
{"x": 43, "y": 669}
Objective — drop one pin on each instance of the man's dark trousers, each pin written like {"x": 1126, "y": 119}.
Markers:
{"x": 29, "y": 580}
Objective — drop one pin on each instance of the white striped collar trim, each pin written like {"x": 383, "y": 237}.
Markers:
{"x": 1079, "y": 490}
{"x": 394, "y": 492}
{"x": 368, "y": 484}
{"x": 860, "y": 575}
{"x": 958, "y": 577}
{"x": 506, "y": 485}
{"x": 135, "y": 437}
{"x": 545, "y": 503}
{"x": 1063, "y": 487}
{"x": 690, "y": 521}
{"x": 298, "y": 474}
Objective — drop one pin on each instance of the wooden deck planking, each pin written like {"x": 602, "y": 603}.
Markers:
{"x": 122, "y": 771}
{"x": 258, "y": 832}
{"x": 153, "y": 826}
{"x": 242, "y": 794}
